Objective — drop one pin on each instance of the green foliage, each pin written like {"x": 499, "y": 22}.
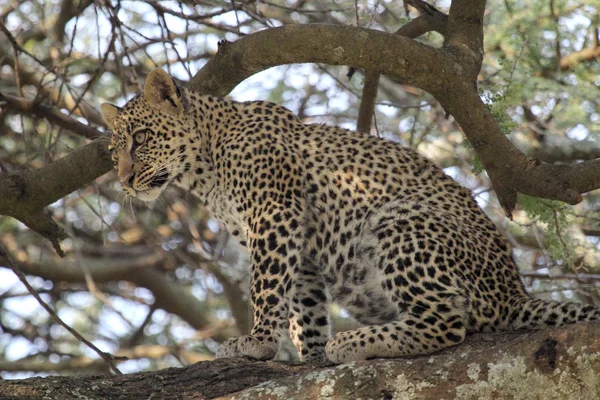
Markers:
{"x": 497, "y": 103}
{"x": 554, "y": 218}
{"x": 476, "y": 164}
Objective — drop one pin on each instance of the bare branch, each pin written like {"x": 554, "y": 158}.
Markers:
{"x": 367, "y": 104}
{"x": 51, "y": 114}
{"x": 8, "y": 262}
{"x": 77, "y": 364}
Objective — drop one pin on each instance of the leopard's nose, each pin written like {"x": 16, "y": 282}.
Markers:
{"x": 127, "y": 180}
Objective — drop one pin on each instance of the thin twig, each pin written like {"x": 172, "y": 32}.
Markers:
{"x": 9, "y": 263}
{"x": 576, "y": 277}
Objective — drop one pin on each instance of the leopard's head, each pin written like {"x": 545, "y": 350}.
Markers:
{"x": 151, "y": 136}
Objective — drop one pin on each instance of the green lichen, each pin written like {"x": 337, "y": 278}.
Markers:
{"x": 510, "y": 379}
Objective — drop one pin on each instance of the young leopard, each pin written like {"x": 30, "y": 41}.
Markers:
{"x": 400, "y": 245}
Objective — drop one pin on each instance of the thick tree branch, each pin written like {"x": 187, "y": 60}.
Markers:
{"x": 567, "y": 151}
{"x": 25, "y": 195}
{"x": 510, "y": 170}
{"x": 105, "y": 269}
{"x": 545, "y": 364}
{"x": 411, "y": 62}
{"x": 464, "y": 35}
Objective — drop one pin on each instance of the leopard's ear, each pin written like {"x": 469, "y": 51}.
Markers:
{"x": 109, "y": 114}
{"x": 161, "y": 92}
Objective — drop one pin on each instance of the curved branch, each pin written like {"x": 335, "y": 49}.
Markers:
{"x": 435, "y": 70}
{"x": 411, "y": 62}
{"x": 510, "y": 170}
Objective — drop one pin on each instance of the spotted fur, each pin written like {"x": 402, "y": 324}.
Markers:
{"x": 399, "y": 244}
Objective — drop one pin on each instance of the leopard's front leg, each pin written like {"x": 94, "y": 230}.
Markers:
{"x": 284, "y": 286}
{"x": 309, "y": 314}
{"x": 282, "y": 290}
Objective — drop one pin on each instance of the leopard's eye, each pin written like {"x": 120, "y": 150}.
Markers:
{"x": 140, "y": 137}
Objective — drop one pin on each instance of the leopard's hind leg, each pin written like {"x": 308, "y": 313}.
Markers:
{"x": 423, "y": 329}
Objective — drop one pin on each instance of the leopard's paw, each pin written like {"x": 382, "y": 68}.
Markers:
{"x": 259, "y": 348}
{"x": 346, "y": 347}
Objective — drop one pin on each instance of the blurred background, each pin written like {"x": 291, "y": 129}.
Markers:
{"x": 161, "y": 284}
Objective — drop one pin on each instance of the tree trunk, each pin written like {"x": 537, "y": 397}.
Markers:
{"x": 562, "y": 363}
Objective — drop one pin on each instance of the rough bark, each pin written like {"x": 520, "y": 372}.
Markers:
{"x": 550, "y": 364}
{"x": 25, "y": 195}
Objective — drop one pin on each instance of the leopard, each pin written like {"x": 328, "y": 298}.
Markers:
{"x": 330, "y": 215}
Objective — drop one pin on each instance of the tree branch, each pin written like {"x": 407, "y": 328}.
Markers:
{"x": 170, "y": 297}
{"x": 367, "y": 103}
{"x": 51, "y": 114}
{"x": 553, "y": 363}
{"x": 510, "y": 170}
{"x": 77, "y": 364}
{"x": 567, "y": 151}
{"x": 430, "y": 20}
{"x": 138, "y": 270}
{"x": 571, "y": 60}
{"x": 411, "y": 62}
{"x": 24, "y": 195}
{"x": 464, "y": 37}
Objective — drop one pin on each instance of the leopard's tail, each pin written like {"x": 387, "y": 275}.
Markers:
{"x": 530, "y": 313}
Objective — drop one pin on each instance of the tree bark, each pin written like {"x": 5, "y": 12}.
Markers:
{"x": 551, "y": 364}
